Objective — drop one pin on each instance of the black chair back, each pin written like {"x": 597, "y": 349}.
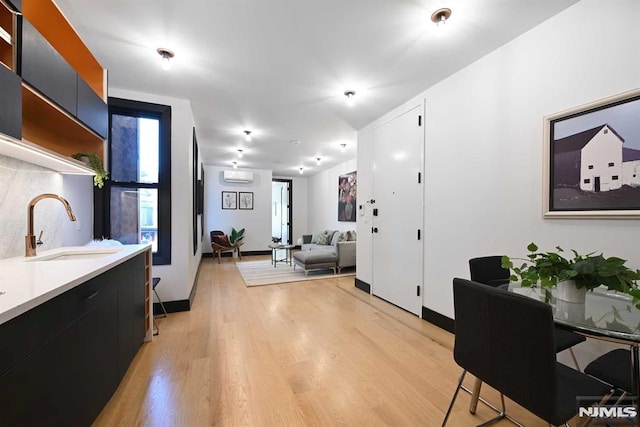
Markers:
{"x": 507, "y": 341}
{"x": 488, "y": 270}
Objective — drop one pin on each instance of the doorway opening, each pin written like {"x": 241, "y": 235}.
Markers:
{"x": 281, "y": 201}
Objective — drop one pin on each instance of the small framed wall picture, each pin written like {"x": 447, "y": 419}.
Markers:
{"x": 246, "y": 200}
{"x": 229, "y": 200}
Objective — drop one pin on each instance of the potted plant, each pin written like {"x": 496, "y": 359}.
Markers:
{"x": 578, "y": 273}
{"x": 236, "y": 236}
{"x": 94, "y": 163}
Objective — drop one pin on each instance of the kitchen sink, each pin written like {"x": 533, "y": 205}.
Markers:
{"x": 75, "y": 254}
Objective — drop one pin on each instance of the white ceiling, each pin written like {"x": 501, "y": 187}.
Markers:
{"x": 280, "y": 67}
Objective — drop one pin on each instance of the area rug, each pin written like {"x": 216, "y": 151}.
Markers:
{"x": 258, "y": 273}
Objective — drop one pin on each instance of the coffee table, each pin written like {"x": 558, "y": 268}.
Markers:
{"x": 287, "y": 254}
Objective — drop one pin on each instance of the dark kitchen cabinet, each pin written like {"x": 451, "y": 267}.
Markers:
{"x": 61, "y": 361}
{"x": 17, "y": 4}
{"x": 44, "y": 69}
{"x": 92, "y": 110}
{"x": 11, "y": 103}
{"x": 131, "y": 312}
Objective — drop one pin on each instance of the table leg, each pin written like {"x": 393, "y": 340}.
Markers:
{"x": 635, "y": 376}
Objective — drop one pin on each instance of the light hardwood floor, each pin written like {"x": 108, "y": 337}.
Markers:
{"x": 314, "y": 353}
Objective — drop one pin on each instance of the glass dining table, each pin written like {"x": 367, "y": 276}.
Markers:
{"x": 605, "y": 315}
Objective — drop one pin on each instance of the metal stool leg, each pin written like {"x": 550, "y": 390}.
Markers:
{"x": 161, "y": 305}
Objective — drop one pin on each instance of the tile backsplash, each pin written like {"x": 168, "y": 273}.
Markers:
{"x": 19, "y": 183}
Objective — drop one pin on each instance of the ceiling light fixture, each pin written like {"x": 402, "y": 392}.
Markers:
{"x": 343, "y": 146}
{"x": 440, "y": 16}
{"x": 165, "y": 56}
{"x": 350, "y": 94}
{"x": 247, "y": 135}
{"x": 301, "y": 170}
{"x": 235, "y": 164}
{"x": 318, "y": 159}
{"x": 240, "y": 151}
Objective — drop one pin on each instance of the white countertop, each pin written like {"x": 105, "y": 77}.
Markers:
{"x": 26, "y": 282}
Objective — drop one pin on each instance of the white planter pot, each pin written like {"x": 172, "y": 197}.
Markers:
{"x": 567, "y": 291}
{"x": 571, "y": 311}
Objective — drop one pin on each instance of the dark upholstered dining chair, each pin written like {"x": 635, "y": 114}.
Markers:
{"x": 489, "y": 270}
{"x": 613, "y": 368}
{"x": 495, "y": 342}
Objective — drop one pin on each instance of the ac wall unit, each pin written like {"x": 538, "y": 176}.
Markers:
{"x": 237, "y": 176}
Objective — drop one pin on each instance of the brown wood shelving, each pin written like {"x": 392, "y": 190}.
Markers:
{"x": 49, "y": 126}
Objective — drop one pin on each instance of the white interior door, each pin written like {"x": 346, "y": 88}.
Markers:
{"x": 398, "y": 194}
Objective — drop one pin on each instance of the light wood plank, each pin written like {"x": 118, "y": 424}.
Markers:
{"x": 313, "y": 353}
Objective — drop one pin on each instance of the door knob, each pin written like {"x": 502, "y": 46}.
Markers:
{"x": 374, "y": 229}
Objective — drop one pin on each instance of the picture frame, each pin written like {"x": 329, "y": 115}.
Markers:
{"x": 229, "y": 200}
{"x": 347, "y": 196}
{"x": 591, "y": 164}
{"x": 245, "y": 200}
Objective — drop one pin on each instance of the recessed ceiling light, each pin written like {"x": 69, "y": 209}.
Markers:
{"x": 301, "y": 169}
{"x": 440, "y": 16}
{"x": 235, "y": 164}
{"x": 240, "y": 153}
{"x": 247, "y": 135}
{"x": 343, "y": 146}
{"x": 318, "y": 160}
{"x": 165, "y": 56}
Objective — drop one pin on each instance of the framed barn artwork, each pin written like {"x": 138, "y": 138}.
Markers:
{"x": 592, "y": 160}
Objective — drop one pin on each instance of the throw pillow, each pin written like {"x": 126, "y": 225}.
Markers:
{"x": 221, "y": 240}
{"x": 325, "y": 237}
{"x": 336, "y": 238}
{"x": 352, "y": 235}
{"x": 315, "y": 238}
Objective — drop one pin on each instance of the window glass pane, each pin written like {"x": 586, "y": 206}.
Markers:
{"x": 134, "y": 149}
{"x": 134, "y": 215}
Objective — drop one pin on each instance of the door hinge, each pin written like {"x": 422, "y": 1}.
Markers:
{"x": 418, "y": 290}
{"x": 419, "y": 177}
{"x": 418, "y": 234}
{"x": 419, "y": 120}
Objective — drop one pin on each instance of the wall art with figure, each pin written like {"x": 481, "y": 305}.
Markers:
{"x": 347, "y": 190}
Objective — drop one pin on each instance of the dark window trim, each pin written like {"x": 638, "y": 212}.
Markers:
{"x": 290, "y": 201}
{"x": 163, "y": 113}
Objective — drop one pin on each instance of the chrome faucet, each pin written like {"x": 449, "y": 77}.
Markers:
{"x": 30, "y": 238}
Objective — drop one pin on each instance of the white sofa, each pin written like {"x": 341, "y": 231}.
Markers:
{"x": 342, "y": 244}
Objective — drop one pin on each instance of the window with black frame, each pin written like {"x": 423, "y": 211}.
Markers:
{"x": 137, "y": 196}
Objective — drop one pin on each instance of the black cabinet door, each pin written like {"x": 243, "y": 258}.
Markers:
{"x": 131, "y": 311}
{"x": 47, "y": 71}
{"x": 10, "y": 103}
{"x": 92, "y": 110}
{"x": 68, "y": 381}
{"x": 17, "y": 4}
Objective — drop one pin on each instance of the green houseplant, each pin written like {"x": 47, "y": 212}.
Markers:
{"x": 236, "y": 236}
{"x": 94, "y": 163}
{"x": 586, "y": 271}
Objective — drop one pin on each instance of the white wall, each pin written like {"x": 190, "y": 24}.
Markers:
{"x": 483, "y": 144}
{"x": 322, "y": 190}
{"x": 256, "y": 222}
{"x": 299, "y": 208}
{"x": 177, "y": 278}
